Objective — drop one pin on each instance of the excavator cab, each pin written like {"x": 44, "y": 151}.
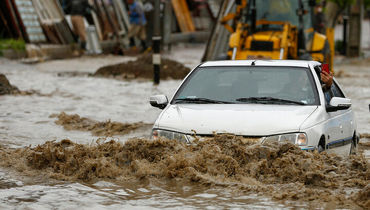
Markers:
{"x": 277, "y": 29}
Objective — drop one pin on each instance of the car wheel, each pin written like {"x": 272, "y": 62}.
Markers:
{"x": 353, "y": 150}
{"x": 320, "y": 148}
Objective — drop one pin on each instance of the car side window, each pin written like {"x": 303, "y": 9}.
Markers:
{"x": 336, "y": 91}
{"x": 328, "y": 95}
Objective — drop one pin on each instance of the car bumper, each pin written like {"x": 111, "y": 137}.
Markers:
{"x": 308, "y": 148}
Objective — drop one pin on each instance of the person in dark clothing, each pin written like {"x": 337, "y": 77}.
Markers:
{"x": 78, "y": 9}
{"x": 65, "y": 6}
{"x": 319, "y": 25}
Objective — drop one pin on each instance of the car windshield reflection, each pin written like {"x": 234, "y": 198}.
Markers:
{"x": 249, "y": 84}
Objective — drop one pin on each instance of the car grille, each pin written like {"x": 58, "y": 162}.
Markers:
{"x": 262, "y": 46}
{"x": 255, "y": 139}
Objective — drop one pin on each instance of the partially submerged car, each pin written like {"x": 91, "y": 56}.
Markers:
{"x": 275, "y": 100}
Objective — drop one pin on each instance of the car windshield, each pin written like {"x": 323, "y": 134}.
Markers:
{"x": 249, "y": 84}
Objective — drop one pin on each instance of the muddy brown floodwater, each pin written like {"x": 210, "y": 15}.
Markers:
{"x": 107, "y": 128}
{"x": 7, "y": 89}
{"x": 284, "y": 172}
{"x": 94, "y": 152}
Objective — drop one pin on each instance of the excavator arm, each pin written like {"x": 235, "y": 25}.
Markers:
{"x": 241, "y": 4}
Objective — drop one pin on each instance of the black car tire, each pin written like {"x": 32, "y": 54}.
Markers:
{"x": 320, "y": 148}
{"x": 353, "y": 150}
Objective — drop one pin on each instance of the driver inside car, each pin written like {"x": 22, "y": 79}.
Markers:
{"x": 298, "y": 88}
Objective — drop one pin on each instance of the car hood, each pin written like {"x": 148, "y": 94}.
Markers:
{"x": 239, "y": 119}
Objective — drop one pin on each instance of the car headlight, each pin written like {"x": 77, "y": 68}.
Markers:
{"x": 299, "y": 139}
{"x": 156, "y": 134}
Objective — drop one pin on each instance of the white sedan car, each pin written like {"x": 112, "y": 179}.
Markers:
{"x": 277, "y": 100}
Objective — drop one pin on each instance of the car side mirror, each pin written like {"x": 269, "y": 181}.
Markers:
{"x": 338, "y": 103}
{"x": 159, "y": 101}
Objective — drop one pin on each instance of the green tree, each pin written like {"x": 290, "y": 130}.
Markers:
{"x": 367, "y": 3}
{"x": 343, "y": 3}
{"x": 336, "y": 9}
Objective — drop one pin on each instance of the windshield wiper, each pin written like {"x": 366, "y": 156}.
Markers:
{"x": 201, "y": 100}
{"x": 268, "y": 99}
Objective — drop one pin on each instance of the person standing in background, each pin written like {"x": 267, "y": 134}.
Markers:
{"x": 78, "y": 9}
{"x": 65, "y": 5}
{"x": 319, "y": 24}
{"x": 138, "y": 22}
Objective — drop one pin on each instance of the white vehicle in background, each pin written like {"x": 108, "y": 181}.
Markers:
{"x": 277, "y": 100}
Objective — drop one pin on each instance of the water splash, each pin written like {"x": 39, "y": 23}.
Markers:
{"x": 283, "y": 171}
{"x": 107, "y": 128}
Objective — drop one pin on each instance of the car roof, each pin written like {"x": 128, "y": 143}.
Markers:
{"x": 295, "y": 63}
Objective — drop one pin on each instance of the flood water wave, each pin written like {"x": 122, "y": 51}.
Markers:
{"x": 283, "y": 171}
{"x": 106, "y": 128}
{"x": 7, "y": 89}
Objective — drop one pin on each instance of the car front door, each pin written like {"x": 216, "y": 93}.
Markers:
{"x": 340, "y": 124}
{"x": 347, "y": 115}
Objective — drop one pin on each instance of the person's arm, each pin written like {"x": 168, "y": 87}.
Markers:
{"x": 327, "y": 79}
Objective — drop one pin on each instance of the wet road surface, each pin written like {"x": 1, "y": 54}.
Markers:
{"x": 66, "y": 86}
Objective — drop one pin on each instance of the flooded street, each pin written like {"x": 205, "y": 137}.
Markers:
{"x": 41, "y": 170}
{"x": 26, "y": 118}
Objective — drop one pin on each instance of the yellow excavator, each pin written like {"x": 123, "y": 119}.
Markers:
{"x": 277, "y": 29}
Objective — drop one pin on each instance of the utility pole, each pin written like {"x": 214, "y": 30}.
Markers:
{"x": 354, "y": 35}
{"x": 157, "y": 43}
{"x": 344, "y": 35}
{"x": 167, "y": 23}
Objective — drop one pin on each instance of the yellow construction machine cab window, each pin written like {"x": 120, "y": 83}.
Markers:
{"x": 282, "y": 10}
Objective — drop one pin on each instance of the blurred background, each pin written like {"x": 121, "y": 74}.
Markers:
{"x": 56, "y": 29}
